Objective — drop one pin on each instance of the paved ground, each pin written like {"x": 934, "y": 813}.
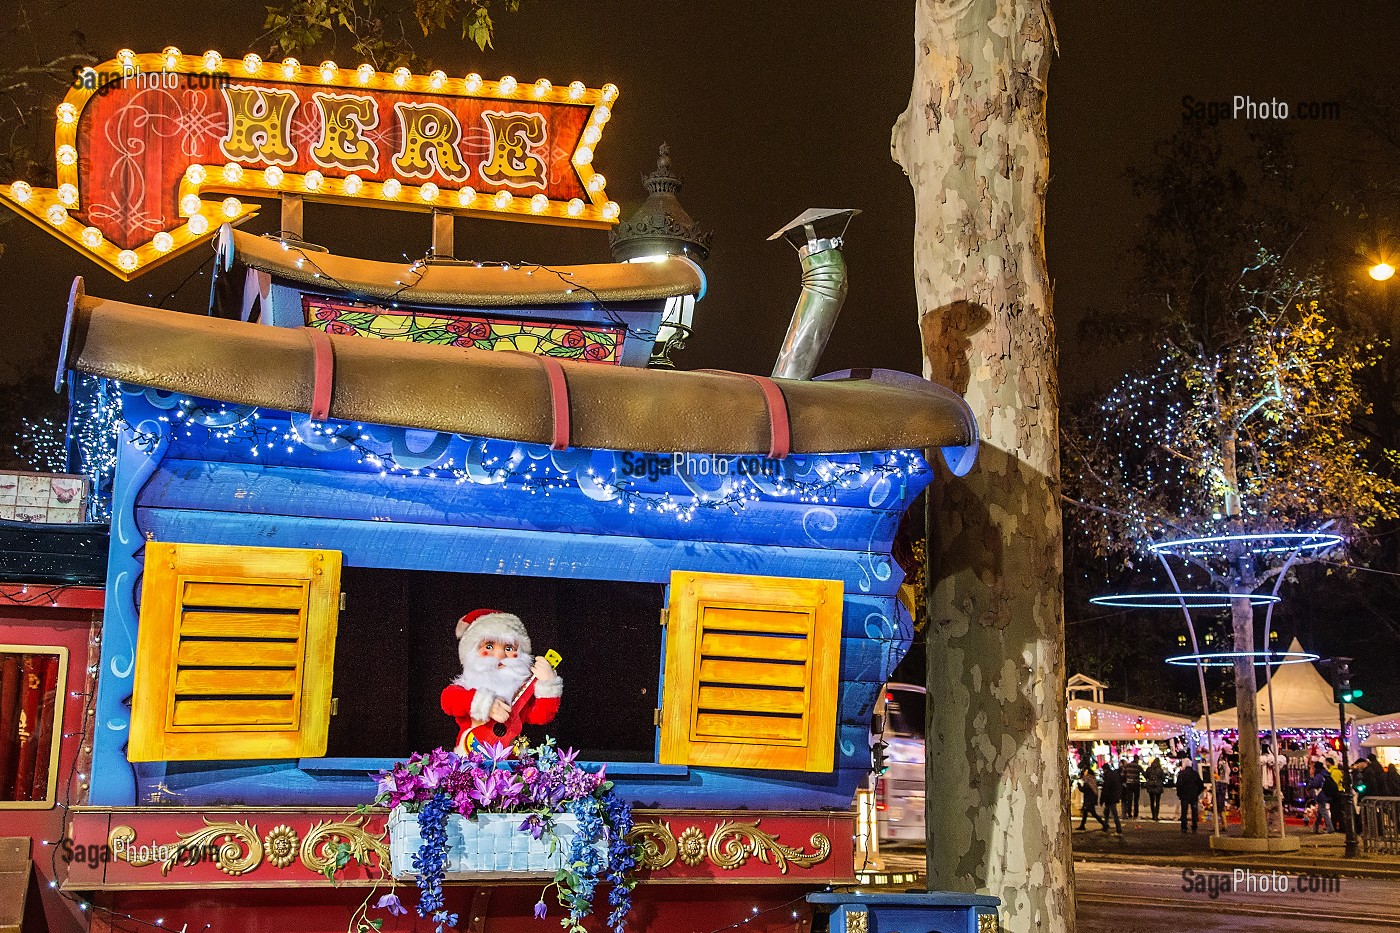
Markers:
{"x": 1148, "y": 899}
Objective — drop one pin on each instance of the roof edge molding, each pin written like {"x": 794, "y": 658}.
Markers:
{"x": 458, "y": 283}
{"x": 509, "y": 395}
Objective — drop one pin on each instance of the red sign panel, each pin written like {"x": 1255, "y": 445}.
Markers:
{"x": 154, "y": 150}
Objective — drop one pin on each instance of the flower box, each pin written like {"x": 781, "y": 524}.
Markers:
{"x": 486, "y": 844}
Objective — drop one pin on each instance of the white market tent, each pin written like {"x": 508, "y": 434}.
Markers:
{"x": 1092, "y": 720}
{"x": 1302, "y": 700}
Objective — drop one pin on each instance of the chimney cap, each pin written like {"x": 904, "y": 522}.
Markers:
{"x": 824, "y": 223}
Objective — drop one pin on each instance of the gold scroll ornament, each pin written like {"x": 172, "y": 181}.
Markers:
{"x": 730, "y": 845}
{"x": 236, "y": 849}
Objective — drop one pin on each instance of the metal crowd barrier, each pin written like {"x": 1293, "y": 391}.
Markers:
{"x": 1380, "y": 825}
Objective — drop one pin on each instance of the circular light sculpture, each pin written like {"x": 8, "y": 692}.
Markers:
{"x": 1175, "y": 600}
{"x": 1258, "y": 544}
{"x": 1227, "y": 658}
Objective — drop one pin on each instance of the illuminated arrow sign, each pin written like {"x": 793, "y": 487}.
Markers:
{"x": 155, "y": 150}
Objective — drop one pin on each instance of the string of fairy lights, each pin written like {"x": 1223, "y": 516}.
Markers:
{"x": 260, "y": 438}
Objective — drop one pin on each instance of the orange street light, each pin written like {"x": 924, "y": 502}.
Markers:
{"x": 1382, "y": 271}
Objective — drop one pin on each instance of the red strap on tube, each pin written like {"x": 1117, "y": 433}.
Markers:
{"x": 558, "y": 402}
{"x": 779, "y": 425}
{"x": 323, "y": 374}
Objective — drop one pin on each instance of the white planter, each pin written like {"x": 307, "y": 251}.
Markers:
{"x": 486, "y": 844}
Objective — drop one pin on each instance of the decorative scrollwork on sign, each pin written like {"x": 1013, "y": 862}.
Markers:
{"x": 858, "y": 921}
{"x": 732, "y": 843}
{"x": 658, "y": 845}
{"x": 987, "y": 923}
{"x": 318, "y": 849}
{"x": 234, "y": 847}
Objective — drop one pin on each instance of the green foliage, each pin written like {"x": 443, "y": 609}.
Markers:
{"x": 376, "y": 28}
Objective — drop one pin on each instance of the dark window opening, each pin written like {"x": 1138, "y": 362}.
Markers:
{"x": 396, "y": 650}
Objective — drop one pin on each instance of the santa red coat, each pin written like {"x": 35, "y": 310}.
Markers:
{"x": 535, "y": 710}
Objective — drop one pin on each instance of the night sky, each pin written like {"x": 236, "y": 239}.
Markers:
{"x": 771, "y": 108}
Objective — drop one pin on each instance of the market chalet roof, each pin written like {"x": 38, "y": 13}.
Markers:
{"x": 507, "y": 395}
{"x": 458, "y": 283}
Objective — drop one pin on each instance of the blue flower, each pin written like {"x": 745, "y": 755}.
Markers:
{"x": 540, "y": 909}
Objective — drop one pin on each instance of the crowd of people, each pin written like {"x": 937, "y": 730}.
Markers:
{"x": 1117, "y": 787}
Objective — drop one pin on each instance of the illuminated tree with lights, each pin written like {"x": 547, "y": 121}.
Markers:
{"x": 1248, "y": 430}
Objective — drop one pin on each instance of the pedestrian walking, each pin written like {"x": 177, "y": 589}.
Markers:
{"x": 1392, "y": 782}
{"x": 1153, "y": 779}
{"x": 1323, "y": 788}
{"x": 1189, "y": 787}
{"x": 1222, "y": 786}
{"x": 1132, "y": 787}
{"x": 1089, "y": 787}
{"x": 1111, "y": 792}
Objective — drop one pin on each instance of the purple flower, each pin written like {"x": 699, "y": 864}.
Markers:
{"x": 532, "y": 824}
{"x": 540, "y": 908}
{"x": 390, "y": 902}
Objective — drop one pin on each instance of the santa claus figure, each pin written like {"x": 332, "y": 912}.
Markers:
{"x": 501, "y": 688}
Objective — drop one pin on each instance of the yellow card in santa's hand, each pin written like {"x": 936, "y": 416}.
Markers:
{"x": 553, "y": 657}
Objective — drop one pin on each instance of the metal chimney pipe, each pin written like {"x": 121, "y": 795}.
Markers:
{"x": 817, "y": 237}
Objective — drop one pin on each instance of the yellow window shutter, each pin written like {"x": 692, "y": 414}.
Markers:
{"x": 752, "y": 666}
{"x": 235, "y": 653}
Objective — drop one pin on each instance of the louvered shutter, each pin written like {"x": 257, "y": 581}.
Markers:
{"x": 751, "y": 673}
{"x": 235, "y": 653}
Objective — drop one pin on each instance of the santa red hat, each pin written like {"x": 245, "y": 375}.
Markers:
{"x": 492, "y": 623}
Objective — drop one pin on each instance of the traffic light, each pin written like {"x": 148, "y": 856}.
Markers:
{"x": 1342, "y": 690}
{"x": 878, "y": 762}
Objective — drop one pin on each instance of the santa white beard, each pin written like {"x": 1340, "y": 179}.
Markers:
{"x": 491, "y": 678}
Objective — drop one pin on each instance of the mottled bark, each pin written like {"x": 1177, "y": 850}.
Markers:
{"x": 1247, "y": 702}
{"x": 973, "y": 143}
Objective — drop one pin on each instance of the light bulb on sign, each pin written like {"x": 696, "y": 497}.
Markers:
{"x": 584, "y": 155}
{"x": 437, "y": 79}
{"x": 195, "y": 174}
{"x": 364, "y": 74}
{"x": 232, "y": 207}
{"x": 252, "y": 63}
{"x": 542, "y": 87}
{"x": 289, "y": 68}
{"x": 353, "y": 184}
{"x": 126, "y": 57}
{"x": 68, "y": 194}
{"x": 67, "y": 114}
{"x": 611, "y": 210}
{"x": 328, "y": 70}
{"x": 67, "y": 155}
{"x": 609, "y": 92}
{"x": 401, "y": 76}
{"x": 273, "y": 176}
{"x": 172, "y": 57}
{"x": 313, "y": 180}
{"x": 57, "y": 215}
{"x": 473, "y": 83}
{"x": 392, "y": 187}
{"x": 163, "y": 242}
{"x": 601, "y": 114}
{"x": 539, "y": 204}
{"x": 502, "y": 200}
{"x": 428, "y": 192}
{"x": 466, "y": 196}
{"x": 575, "y": 207}
{"x": 233, "y": 173}
{"x": 91, "y": 237}
{"x": 576, "y": 90}
{"x": 212, "y": 60}
{"x": 199, "y": 225}
{"x": 507, "y": 85}
{"x": 597, "y": 183}
{"x": 21, "y": 192}
{"x": 592, "y": 135}
{"x": 189, "y": 204}
{"x": 127, "y": 261}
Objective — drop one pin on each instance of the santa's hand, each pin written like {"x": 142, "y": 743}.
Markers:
{"x": 544, "y": 672}
{"x": 500, "y": 710}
